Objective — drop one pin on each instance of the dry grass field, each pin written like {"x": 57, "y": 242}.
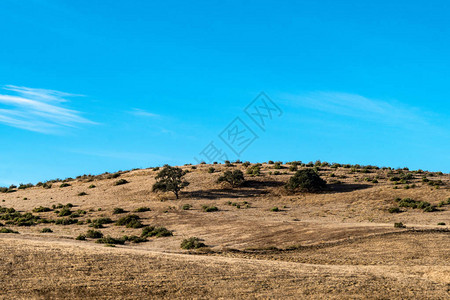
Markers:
{"x": 340, "y": 243}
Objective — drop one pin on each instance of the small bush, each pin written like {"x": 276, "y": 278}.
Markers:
{"x": 207, "y": 208}
{"x": 186, "y": 207}
{"x": 121, "y": 181}
{"x": 65, "y": 212}
{"x": 46, "y": 230}
{"x": 394, "y": 210}
{"x": 41, "y": 209}
{"x": 7, "y": 230}
{"x": 110, "y": 241}
{"x": 143, "y": 209}
{"x": 81, "y": 237}
{"x": 192, "y": 243}
{"x": 92, "y": 186}
{"x": 130, "y": 221}
{"x": 235, "y": 178}
{"x": 399, "y": 225}
{"x": 118, "y": 210}
{"x": 82, "y": 194}
{"x": 441, "y": 224}
{"x": 65, "y": 221}
{"x": 65, "y": 184}
{"x": 211, "y": 170}
{"x": 94, "y": 234}
{"x": 150, "y": 231}
{"x": 134, "y": 239}
{"x": 275, "y": 208}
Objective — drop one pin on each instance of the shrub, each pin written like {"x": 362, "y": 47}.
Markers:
{"x": 399, "y": 225}
{"x": 275, "y": 208}
{"x": 65, "y": 221}
{"x": 118, "y": 210}
{"x": 394, "y": 210}
{"x": 46, "y": 230}
{"x": 65, "y": 184}
{"x": 65, "y": 212}
{"x": 143, "y": 209}
{"x": 211, "y": 170}
{"x": 113, "y": 175}
{"x": 7, "y": 230}
{"x": 293, "y": 168}
{"x": 94, "y": 234}
{"x": 134, "y": 239}
{"x": 305, "y": 180}
{"x": 150, "y": 231}
{"x": 186, "y": 207}
{"x": 110, "y": 240}
{"x": 41, "y": 209}
{"x": 121, "y": 181}
{"x": 130, "y": 221}
{"x": 235, "y": 178}
{"x": 277, "y": 165}
{"x": 170, "y": 179}
{"x": 441, "y": 224}
{"x": 192, "y": 243}
{"x": 92, "y": 186}
{"x": 47, "y": 185}
{"x": 254, "y": 170}
{"x": 81, "y": 237}
{"x": 82, "y": 194}
{"x": 207, "y": 208}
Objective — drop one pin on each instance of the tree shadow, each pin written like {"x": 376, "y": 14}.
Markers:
{"x": 345, "y": 188}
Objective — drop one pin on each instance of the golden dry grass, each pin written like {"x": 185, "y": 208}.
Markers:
{"x": 337, "y": 244}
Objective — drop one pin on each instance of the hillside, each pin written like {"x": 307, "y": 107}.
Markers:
{"x": 262, "y": 241}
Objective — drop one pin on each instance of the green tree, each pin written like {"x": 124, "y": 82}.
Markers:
{"x": 170, "y": 179}
{"x": 306, "y": 180}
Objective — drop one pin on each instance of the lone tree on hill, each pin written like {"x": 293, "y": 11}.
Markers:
{"x": 306, "y": 180}
{"x": 170, "y": 179}
{"x": 235, "y": 178}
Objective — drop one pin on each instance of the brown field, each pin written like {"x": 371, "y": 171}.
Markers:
{"x": 337, "y": 244}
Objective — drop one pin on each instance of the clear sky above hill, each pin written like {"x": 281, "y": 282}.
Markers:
{"x": 95, "y": 86}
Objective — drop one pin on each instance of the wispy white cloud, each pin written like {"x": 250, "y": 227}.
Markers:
{"x": 142, "y": 113}
{"x": 360, "y": 107}
{"x": 38, "y": 110}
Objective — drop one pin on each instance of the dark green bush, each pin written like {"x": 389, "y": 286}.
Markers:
{"x": 130, "y": 221}
{"x": 207, "y": 208}
{"x": 46, "y": 230}
{"x": 81, "y": 237}
{"x": 65, "y": 212}
{"x": 65, "y": 221}
{"x": 82, "y": 194}
{"x": 134, "y": 239}
{"x": 186, "y": 207}
{"x": 275, "y": 209}
{"x": 192, "y": 243}
{"x": 143, "y": 209}
{"x": 7, "y": 230}
{"x": 118, "y": 210}
{"x": 235, "y": 178}
{"x": 41, "y": 209}
{"x": 394, "y": 210}
{"x": 65, "y": 184}
{"x": 441, "y": 224}
{"x": 399, "y": 225}
{"x": 121, "y": 181}
{"x": 92, "y": 186}
{"x": 110, "y": 240}
{"x": 94, "y": 234}
{"x": 211, "y": 170}
{"x": 306, "y": 180}
{"x": 150, "y": 231}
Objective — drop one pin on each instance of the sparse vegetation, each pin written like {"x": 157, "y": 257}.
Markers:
{"x": 121, "y": 182}
{"x": 207, "y": 208}
{"x": 192, "y": 243}
{"x": 234, "y": 178}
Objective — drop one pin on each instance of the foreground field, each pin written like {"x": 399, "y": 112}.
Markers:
{"x": 340, "y": 243}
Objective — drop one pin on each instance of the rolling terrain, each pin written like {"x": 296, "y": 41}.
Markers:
{"x": 262, "y": 241}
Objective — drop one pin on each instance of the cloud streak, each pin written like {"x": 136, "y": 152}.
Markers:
{"x": 360, "y": 107}
{"x": 38, "y": 110}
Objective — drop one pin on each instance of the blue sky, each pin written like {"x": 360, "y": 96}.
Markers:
{"x": 95, "y": 86}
